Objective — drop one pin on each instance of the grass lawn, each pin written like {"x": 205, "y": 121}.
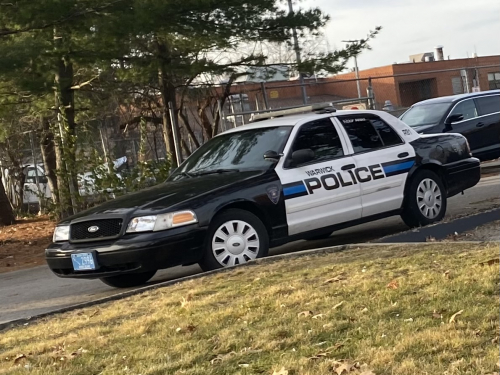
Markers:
{"x": 426, "y": 309}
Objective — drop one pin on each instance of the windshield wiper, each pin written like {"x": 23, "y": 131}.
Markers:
{"x": 214, "y": 171}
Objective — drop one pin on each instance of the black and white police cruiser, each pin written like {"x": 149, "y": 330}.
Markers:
{"x": 284, "y": 177}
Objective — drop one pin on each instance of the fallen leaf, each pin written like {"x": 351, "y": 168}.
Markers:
{"x": 367, "y": 372}
{"x": 343, "y": 368}
{"x": 245, "y": 365}
{"x": 409, "y": 320}
{"x": 437, "y": 316}
{"x": 281, "y": 372}
{"x": 19, "y": 357}
{"x": 334, "y": 279}
{"x": 319, "y": 316}
{"x": 305, "y": 314}
{"x": 191, "y": 328}
{"x": 393, "y": 285}
{"x": 338, "y": 305}
{"x": 328, "y": 325}
{"x": 452, "y": 319}
{"x": 319, "y": 356}
{"x": 490, "y": 262}
{"x": 365, "y": 309}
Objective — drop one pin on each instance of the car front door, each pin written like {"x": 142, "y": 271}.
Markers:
{"x": 383, "y": 160}
{"x": 318, "y": 191}
{"x": 488, "y": 122}
{"x": 468, "y": 126}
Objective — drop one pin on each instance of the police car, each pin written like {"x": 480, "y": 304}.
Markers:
{"x": 279, "y": 179}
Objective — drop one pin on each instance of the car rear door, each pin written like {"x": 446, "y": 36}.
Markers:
{"x": 488, "y": 122}
{"x": 319, "y": 193}
{"x": 383, "y": 160}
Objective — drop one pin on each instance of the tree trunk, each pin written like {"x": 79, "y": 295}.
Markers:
{"x": 47, "y": 147}
{"x": 66, "y": 113}
{"x": 6, "y": 214}
{"x": 167, "y": 91}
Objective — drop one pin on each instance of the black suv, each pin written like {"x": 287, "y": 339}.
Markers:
{"x": 476, "y": 116}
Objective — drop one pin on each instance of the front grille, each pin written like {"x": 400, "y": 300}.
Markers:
{"x": 105, "y": 229}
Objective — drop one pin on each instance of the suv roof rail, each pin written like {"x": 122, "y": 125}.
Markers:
{"x": 319, "y": 107}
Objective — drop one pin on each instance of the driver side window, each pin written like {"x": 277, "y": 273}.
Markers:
{"x": 322, "y": 138}
{"x": 467, "y": 108}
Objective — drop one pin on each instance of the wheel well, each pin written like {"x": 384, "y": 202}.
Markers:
{"x": 250, "y": 207}
{"x": 436, "y": 168}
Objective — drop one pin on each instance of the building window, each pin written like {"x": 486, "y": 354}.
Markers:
{"x": 494, "y": 80}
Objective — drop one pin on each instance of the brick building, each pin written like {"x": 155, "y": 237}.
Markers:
{"x": 403, "y": 84}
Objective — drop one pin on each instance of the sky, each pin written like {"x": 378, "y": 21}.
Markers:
{"x": 413, "y": 26}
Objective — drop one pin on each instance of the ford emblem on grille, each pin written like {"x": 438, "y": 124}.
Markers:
{"x": 93, "y": 229}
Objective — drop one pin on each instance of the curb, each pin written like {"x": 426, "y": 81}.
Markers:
{"x": 441, "y": 231}
{"x": 325, "y": 250}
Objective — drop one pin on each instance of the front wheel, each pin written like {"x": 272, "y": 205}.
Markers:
{"x": 128, "y": 280}
{"x": 235, "y": 237}
{"x": 426, "y": 202}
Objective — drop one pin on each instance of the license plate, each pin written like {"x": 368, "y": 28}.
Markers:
{"x": 84, "y": 261}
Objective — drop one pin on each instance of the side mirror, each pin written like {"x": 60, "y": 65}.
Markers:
{"x": 302, "y": 156}
{"x": 454, "y": 118}
{"x": 272, "y": 156}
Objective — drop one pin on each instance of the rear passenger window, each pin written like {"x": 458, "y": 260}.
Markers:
{"x": 368, "y": 134}
{"x": 488, "y": 105}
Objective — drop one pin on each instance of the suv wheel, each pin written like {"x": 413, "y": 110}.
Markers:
{"x": 128, "y": 280}
{"x": 234, "y": 237}
{"x": 426, "y": 201}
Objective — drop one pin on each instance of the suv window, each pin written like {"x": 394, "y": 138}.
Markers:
{"x": 368, "y": 134}
{"x": 321, "y": 137}
{"x": 488, "y": 105}
{"x": 467, "y": 108}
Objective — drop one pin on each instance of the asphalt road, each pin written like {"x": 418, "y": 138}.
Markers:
{"x": 35, "y": 291}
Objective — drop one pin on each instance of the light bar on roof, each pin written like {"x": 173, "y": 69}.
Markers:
{"x": 292, "y": 111}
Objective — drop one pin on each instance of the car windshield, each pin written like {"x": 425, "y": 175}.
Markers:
{"x": 425, "y": 114}
{"x": 233, "y": 152}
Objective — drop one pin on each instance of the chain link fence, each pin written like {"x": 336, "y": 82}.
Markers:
{"x": 391, "y": 92}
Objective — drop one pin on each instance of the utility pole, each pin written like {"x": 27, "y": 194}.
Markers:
{"x": 297, "y": 55}
{"x": 355, "y": 66}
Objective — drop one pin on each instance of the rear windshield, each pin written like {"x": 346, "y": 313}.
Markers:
{"x": 425, "y": 114}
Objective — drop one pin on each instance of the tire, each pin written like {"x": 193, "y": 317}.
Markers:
{"x": 426, "y": 200}
{"x": 129, "y": 280}
{"x": 234, "y": 237}
{"x": 323, "y": 236}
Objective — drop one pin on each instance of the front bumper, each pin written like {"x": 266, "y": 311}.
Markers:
{"x": 462, "y": 175}
{"x": 131, "y": 253}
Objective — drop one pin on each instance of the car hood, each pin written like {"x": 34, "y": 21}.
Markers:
{"x": 164, "y": 196}
{"x": 422, "y": 128}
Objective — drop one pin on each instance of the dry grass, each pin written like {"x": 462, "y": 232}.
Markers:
{"x": 392, "y": 309}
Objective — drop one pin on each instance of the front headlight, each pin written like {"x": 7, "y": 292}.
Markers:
{"x": 61, "y": 233}
{"x": 161, "y": 222}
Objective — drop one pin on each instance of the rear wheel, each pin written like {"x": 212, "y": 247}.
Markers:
{"x": 128, "y": 280}
{"x": 426, "y": 202}
{"x": 235, "y": 237}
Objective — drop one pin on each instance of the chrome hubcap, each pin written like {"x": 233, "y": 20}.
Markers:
{"x": 235, "y": 242}
{"x": 429, "y": 198}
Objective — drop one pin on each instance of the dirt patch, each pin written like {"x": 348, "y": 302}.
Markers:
{"x": 22, "y": 245}
{"x": 488, "y": 232}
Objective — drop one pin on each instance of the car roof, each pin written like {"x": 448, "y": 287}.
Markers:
{"x": 455, "y": 98}
{"x": 294, "y": 120}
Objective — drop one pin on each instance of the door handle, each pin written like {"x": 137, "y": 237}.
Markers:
{"x": 348, "y": 166}
{"x": 403, "y": 155}
{"x": 480, "y": 125}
